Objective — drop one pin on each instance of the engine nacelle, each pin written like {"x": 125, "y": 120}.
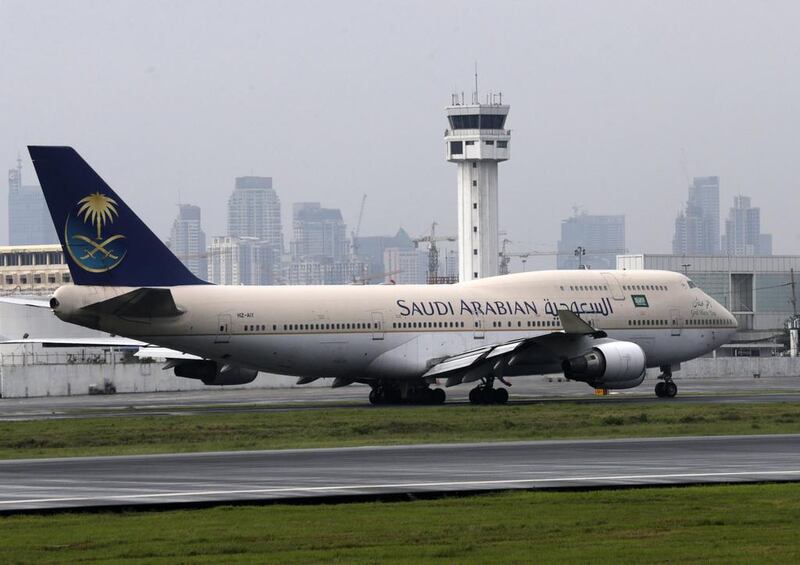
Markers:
{"x": 617, "y": 364}
{"x": 212, "y": 374}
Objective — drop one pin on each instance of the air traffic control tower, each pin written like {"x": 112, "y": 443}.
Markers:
{"x": 477, "y": 141}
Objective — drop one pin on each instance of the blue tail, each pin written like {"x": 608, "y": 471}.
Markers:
{"x": 104, "y": 242}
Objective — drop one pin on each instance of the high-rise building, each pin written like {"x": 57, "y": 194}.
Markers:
{"x": 370, "y": 250}
{"x": 697, "y": 227}
{"x": 406, "y": 266}
{"x": 188, "y": 241}
{"x": 598, "y": 239}
{"x": 254, "y": 211}
{"x": 743, "y": 230}
{"x": 318, "y": 234}
{"x": 241, "y": 261}
{"x": 29, "y": 221}
{"x": 477, "y": 142}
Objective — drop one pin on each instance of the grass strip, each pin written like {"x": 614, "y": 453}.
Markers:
{"x": 374, "y": 426}
{"x": 708, "y": 524}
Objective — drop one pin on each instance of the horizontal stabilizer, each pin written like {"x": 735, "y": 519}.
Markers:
{"x": 34, "y": 302}
{"x": 155, "y": 352}
{"x": 139, "y": 303}
{"x": 78, "y": 342}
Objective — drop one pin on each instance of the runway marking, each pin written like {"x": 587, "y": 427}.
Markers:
{"x": 278, "y": 490}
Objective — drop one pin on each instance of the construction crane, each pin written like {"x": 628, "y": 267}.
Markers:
{"x": 506, "y": 255}
{"x": 433, "y": 255}
{"x": 354, "y": 234}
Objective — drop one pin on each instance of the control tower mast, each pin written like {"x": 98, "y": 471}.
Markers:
{"x": 477, "y": 141}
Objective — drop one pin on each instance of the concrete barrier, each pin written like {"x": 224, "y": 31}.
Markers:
{"x": 21, "y": 381}
{"x": 17, "y": 380}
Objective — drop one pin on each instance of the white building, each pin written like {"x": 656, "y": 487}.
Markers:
{"x": 757, "y": 290}
{"x": 240, "y": 260}
{"x": 405, "y": 266}
{"x": 477, "y": 141}
{"x": 32, "y": 269}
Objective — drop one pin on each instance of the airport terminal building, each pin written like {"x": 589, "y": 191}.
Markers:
{"x": 758, "y": 290}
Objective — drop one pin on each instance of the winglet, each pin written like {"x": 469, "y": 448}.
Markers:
{"x": 572, "y": 324}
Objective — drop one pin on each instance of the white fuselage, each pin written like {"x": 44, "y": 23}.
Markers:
{"x": 399, "y": 332}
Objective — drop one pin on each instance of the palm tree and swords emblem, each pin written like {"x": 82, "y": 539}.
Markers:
{"x": 99, "y": 253}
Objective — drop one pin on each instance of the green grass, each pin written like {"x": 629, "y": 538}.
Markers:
{"x": 721, "y": 524}
{"x": 372, "y": 426}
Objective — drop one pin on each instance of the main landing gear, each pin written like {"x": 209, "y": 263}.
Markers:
{"x": 666, "y": 388}
{"x": 406, "y": 393}
{"x": 485, "y": 393}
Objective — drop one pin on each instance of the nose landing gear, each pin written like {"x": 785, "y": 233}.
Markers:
{"x": 666, "y": 388}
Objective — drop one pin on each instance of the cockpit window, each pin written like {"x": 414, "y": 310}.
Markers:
{"x": 691, "y": 284}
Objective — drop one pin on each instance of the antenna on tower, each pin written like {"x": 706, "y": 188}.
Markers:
{"x": 475, "y": 98}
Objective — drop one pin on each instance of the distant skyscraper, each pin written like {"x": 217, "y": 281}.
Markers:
{"x": 29, "y": 221}
{"x": 743, "y": 230}
{"x": 602, "y": 238}
{"x": 318, "y": 234}
{"x": 254, "y": 211}
{"x": 370, "y": 249}
{"x": 188, "y": 241}
{"x": 406, "y": 266}
{"x": 240, "y": 261}
{"x": 697, "y": 227}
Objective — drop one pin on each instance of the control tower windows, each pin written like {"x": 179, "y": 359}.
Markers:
{"x": 490, "y": 142}
{"x": 456, "y": 147}
{"x": 478, "y": 121}
{"x": 502, "y": 144}
{"x": 474, "y": 183}
{"x": 474, "y": 205}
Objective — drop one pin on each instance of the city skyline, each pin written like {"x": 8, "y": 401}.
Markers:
{"x": 603, "y": 118}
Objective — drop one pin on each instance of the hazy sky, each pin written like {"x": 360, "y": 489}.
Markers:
{"x": 613, "y": 104}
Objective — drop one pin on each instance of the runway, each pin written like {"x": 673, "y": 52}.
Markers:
{"x": 314, "y": 474}
{"x": 524, "y": 391}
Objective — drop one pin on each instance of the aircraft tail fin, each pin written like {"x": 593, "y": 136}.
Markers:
{"x": 104, "y": 242}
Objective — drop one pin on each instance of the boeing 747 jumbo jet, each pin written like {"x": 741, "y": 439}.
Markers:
{"x": 603, "y": 328}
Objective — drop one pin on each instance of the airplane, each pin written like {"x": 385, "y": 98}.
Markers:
{"x": 603, "y": 328}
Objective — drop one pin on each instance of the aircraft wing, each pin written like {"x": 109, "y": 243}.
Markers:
{"x": 172, "y": 355}
{"x": 36, "y": 303}
{"x": 545, "y": 348}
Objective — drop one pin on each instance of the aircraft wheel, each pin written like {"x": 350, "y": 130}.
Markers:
{"x": 374, "y": 397}
{"x": 487, "y": 395}
{"x": 438, "y": 396}
{"x": 500, "y": 396}
{"x": 660, "y": 389}
{"x": 670, "y": 389}
{"x": 475, "y": 396}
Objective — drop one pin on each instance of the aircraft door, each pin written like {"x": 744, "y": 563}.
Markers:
{"x": 377, "y": 326}
{"x": 613, "y": 286}
{"x": 224, "y": 326}
{"x": 676, "y": 321}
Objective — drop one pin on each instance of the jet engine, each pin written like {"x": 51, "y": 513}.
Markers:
{"x": 212, "y": 374}
{"x": 617, "y": 364}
